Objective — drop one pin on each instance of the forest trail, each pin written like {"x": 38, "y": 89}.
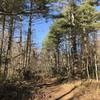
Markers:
{"x": 88, "y": 90}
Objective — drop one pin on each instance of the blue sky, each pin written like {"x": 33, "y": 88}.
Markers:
{"x": 41, "y": 30}
{"x": 98, "y": 8}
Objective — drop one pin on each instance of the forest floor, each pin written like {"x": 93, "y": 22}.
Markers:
{"x": 53, "y": 90}
{"x": 77, "y": 90}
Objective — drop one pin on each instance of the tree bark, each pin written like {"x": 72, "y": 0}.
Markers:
{"x": 8, "y": 53}
{"x": 2, "y": 38}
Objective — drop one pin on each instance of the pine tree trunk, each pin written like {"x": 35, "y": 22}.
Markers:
{"x": 8, "y": 53}
{"x": 28, "y": 45}
{"x": 2, "y": 38}
{"x": 96, "y": 68}
{"x": 85, "y": 39}
{"x": 20, "y": 42}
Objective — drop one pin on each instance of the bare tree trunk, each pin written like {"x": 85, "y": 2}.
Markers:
{"x": 55, "y": 59}
{"x": 8, "y": 53}
{"x": 20, "y": 42}
{"x": 2, "y": 38}
{"x": 28, "y": 45}
{"x": 96, "y": 68}
{"x": 95, "y": 58}
{"x": 87, "y": 68}
{"x": 58, "y": 58}
{"x": 85, "y": 39}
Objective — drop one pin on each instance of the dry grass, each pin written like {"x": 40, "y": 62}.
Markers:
{"x": 77, "y": 90}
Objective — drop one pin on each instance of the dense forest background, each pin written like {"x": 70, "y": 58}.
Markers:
{"x": 70, "y": 51}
